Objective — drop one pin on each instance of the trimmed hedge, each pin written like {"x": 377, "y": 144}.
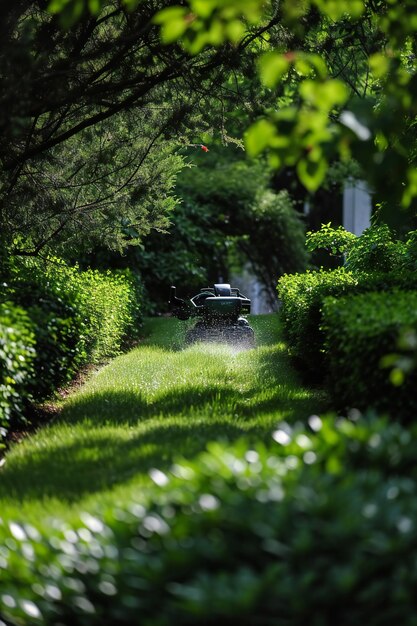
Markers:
{"x": 302, "y": 296}
{"x": 359, "y": 332}
{"x": 17, "y": 355}
{"x": 75, "y": 317}
{"x": 240, "y": 535}
{"x": 374, "y": 250}
{"x": 105, "y": 306}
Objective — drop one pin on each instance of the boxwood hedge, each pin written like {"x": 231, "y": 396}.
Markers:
{"x": 359, "y": 332}
{"x": 17, "y": 354}
{"x": 302, "y": 298}
{"x": 317, "y": 529}
{"x": 74, "y": 318}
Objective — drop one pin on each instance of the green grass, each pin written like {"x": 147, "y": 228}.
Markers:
{"x": 145, "y": 409}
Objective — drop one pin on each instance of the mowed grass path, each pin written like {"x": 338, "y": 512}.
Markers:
{"x": 147, "y": 408}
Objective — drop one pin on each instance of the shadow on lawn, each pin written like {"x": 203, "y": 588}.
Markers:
{"x": 94, "y": 461}
{"x": 155, "y": 431}
{"x": 274, "y": 389}
{"x": 114, "y": 407}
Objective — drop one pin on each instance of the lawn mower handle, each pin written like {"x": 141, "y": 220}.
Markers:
{"x": 179, "y": 308}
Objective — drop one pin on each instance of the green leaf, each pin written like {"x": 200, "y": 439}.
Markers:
{"x": 69, "y": 11}
{"x": 396, "y": 377}
{"x": 293, "y": 10}
{"x": 169, "y": 14}
{"x": 411, "y": 188}
{"x": 56, "y": 6}
{"x": 259, "y": 136}
{"x": 319, "y": 65}
{"x": 272, "y": 67}
{"x": 173, "y": 23}
{"x": 94, "y": 6}
{"x": 336, "y": 9}
{"x": 312, "y": 173}
{"x": 324, "y": 95}
{"x": 235, "y": 30}
{"x": 302, "y": 66}
{"x": 379, "y": 64}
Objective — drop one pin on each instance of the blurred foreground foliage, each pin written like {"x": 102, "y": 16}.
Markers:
{"x": 316, "y": 527}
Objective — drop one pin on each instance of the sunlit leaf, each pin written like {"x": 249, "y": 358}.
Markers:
{"x": 324, "y": 95}
{"x": 379, "y": 64}
{"x": 411, "y": 187}
{"x": 235, "y": 30}
{"x": 203, "y": 8}
{"x": 293, "y": 10}
{"x": 312, "y": 173}
{"x": 319, "y": 64}
{"x": 259, "y": 136}
{"x": 173, "y": 23}
{"x": 215, "y": 35}
{"x": 335, "y": 9}
{"x": 302, "y": 66}
{"x": 272, "y": 67}
{"x": 94, "y": 6}
{"x": 69, "y": 11}
{"x": 168, "y": 14}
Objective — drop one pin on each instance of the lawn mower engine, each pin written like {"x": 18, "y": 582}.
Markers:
{"x": 219, "y": 309}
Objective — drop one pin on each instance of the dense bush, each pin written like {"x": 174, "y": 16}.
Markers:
{"x": 302, "y": 297}
{"x": 249, "y": 536}
{"x": 76, "y": 317}
{"x": 359, "y": 332}
{"x": 335, "y": 241}
{"x": 104, "y": 306}
{"x": 16, "y": 362}
{"x": 375, "y": 250}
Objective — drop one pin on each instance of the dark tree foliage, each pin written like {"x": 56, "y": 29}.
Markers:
{"x": 89, "y": 113}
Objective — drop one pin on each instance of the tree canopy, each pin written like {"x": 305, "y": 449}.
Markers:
{"x": 100, "y": 97}
{"x": 93, "y": 110}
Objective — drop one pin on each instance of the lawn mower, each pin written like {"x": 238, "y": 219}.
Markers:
{"x": 219, "y": 310}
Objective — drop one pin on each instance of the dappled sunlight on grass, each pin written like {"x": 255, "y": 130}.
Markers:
{"x": 151, "y": 405}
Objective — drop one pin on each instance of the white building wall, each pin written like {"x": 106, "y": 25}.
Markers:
{"x": 357, "y": 207}
{"x": 252, "y": 288}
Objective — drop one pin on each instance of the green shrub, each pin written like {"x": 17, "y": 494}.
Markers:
{"x": 302, "y": 297}
{"x": 16, "y": 363}
{"x": 375, "y": 250}
{"x": 106, "y": 304}
{"x": 360, "y": 331}
{"x": 49, "y": 298}
{"x": 319, "y": 530}
{"x": 103, "y": 306}
{"x": 409, "y": 259}
{"x": 76, "y": 317}
{"x": 336, "y": 241}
